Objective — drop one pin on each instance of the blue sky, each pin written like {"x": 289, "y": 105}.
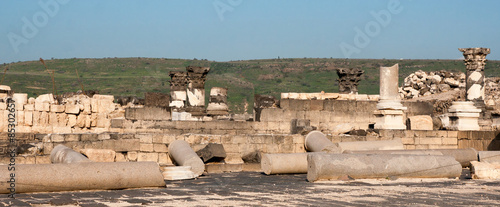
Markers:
{"x": 224, "y": 30}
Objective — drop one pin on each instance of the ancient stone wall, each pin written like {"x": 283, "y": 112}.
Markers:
{"x": 131, "y": 147}
{"x": 75, "y": 114}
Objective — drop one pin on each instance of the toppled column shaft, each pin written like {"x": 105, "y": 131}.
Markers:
{"x": 316, "y": 141}
{"x": 394, "y": 144}
{"x": 182, "y": 154}
{"x": 83, "y": 176}
{"x": 63, "y": 154}
{"x": 294, "y": 163}
{"x": 326, "y": 166}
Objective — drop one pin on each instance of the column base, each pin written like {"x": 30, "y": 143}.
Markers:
{"x": 464, "y": 116}
{"x": 389, "y": 119}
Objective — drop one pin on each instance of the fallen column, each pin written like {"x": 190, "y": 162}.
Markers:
{"x": 395, "y": 152}
{"x": 63, "y": 154}
{"x": 489, "y": 157}
{"x": 463, "y": 156}
{"x": 82, "y": 176}
{"x": 182, "y": 154}
{"x": 294, "y": 163}
{"x": 316, "y": 141}
{"x": 395, "y": 144}
{"x": 326, "y": 166}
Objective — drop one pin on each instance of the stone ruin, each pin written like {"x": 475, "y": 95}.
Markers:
{"x": 177, "y": 129}
{"x": 349, "y": 80}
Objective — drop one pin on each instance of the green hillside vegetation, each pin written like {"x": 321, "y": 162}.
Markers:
{"x": 135, "y": 76}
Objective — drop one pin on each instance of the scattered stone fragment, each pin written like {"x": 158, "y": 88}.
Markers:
{"x": 212, "y": 153}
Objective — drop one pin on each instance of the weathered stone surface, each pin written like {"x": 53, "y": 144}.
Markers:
{"x": 464, "y": 116}
{"x": 147, "y": 113}
{"x": 475, "y": 60}
{"x": 83, "y": 176}
{"x": 326, "y": 166}
{"x": 395, "y": 144}
{"x": 212, "y": 153}
{"x": 485, "y": 170}
{"x": 99, "y": 155}
{"x": 489, "y": 156}
{"x": 63, "y": 154}
{"x": 72, "y": 109}
{"x": 316, "y": 141}
{"x": 422, "y": 122}
{"x": 295, "y": 163}
{"x": 349, "y": 79}
{"x": 182, "y": 154}
{"x": 178, "y": 173}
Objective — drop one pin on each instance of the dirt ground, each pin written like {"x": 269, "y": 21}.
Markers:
{"x": 257, "y": 189}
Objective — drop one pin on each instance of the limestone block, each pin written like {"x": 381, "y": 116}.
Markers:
{"x": 102, "y": 121}
{"x": 144, "y": 156}
{"x": 53, "y": 121}
{"x": 178, "y": 173}
{"x": 212, "y": 153}
{"x": 62, "y": 119}
{"x": 233, "y": 158}
{"x": 484, "y": 170}
{"x": 29, "y": 107}
{"x": 80, "y": 120}
{"x": 196, "y": 97}
{"x": 72, "y": 120}
{"x": 99, "y": 155}
{"x": 21, "y": 99}
{"x": 94, "y": 104}
{"x": 20, "y": 118}
{"x": 93, "y": 119}
{"x": 47, "y": 98}
{"x": 146, "y": 147}
{"x": 88, "y": 121}
{"x": 44, "y": 118}
{"x": 132, "y": 156}
{"x": 87, "y": 106}
{"x": 160, "y": 148}
{"x": 422, "y": 122}
{"x": 3, "y": 106}
{"x": 164, "y": 159}
{"x": 121, "y": 145}
{"x": 57, "y": 108}
{"x": 119, "y": 157}
{"x": 72, "y": 109}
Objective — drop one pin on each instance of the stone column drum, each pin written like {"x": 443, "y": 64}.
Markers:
{"x": 389, "y": 113}
{"x": 475, "y": 60}
{"x": 316, "y": 141}
{"x": 196, "y": 77}
{"x": 293, "y": 163}
{"x": 63, "y": 154}
{"x": 326, "y": 166}
{"x": 178, "y": 90}
{"x": 82, "y": 176}
{"x": 218, "y": 102}
{"x": 182, "y": 154}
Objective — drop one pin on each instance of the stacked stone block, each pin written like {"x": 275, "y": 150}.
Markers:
{"x": 73, "y": 115}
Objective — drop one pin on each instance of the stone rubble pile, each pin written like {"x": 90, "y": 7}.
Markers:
{"x": 492, "y": 93}
{"x": 422, "y": 83}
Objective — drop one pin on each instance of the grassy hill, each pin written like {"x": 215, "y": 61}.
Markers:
{"x": 134, "y": 76}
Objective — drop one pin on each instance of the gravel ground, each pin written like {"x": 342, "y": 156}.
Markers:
{"x": 257, "y": 189}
